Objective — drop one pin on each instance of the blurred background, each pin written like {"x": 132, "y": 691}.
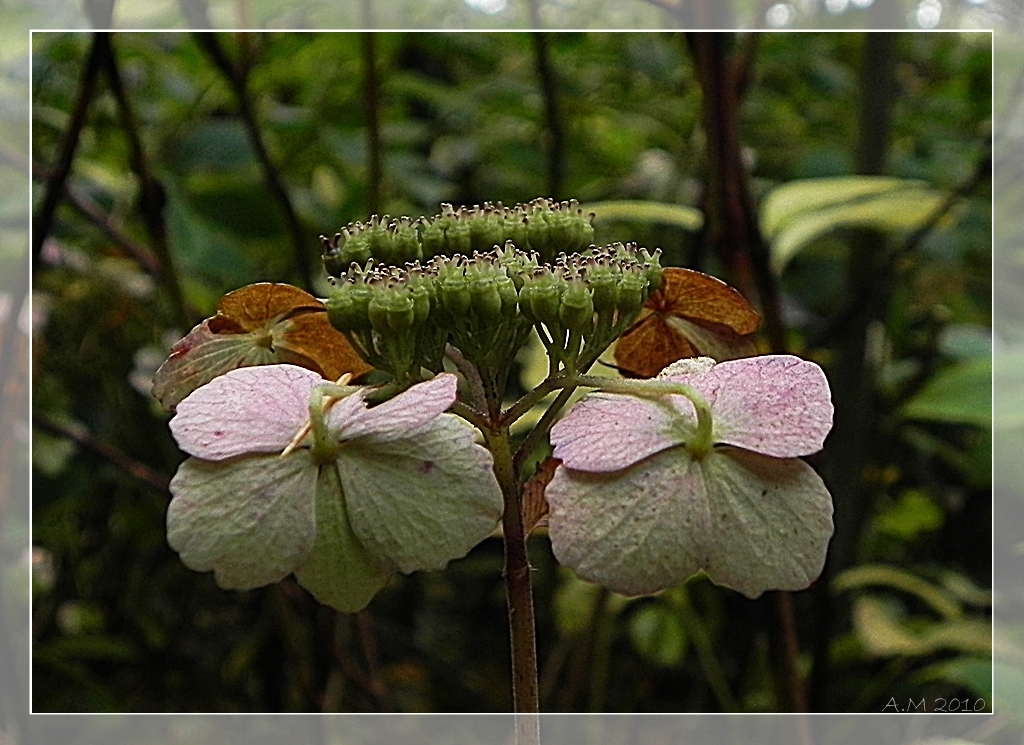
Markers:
{"x": 172, "y": 168}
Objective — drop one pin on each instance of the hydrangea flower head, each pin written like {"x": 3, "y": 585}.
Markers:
{"x": 645, "y": 498}
{"x": 289, "y": 474}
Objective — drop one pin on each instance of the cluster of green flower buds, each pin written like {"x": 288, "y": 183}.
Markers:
{"x": 484, "y": 304}
{"x": 543, "y": 226}
{"x": 583, "y": 302}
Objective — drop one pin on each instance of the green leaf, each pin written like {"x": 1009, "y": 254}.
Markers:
{"x": 885, "y": 631}
{"x": 973, "y": 673}
{"x": 961, "y": 394}
{"x": 899, "y": 579}
{"x": 913, "y": 514}
{"x": 795, "y": 214}
{"x": 687, "y": 218}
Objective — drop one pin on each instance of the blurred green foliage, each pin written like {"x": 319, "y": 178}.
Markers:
{"x": 120, "y": 625}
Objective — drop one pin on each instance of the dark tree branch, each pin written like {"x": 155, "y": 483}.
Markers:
{"x": 145, "y": 258}
{"x": 238, "y": 79}
{"x": 42, "y": 223}
{"x": 371, "y": 101}
{"x": 868, "y": 287}
{"x": 732, "y": 231}
{"x": 137, "y": 470}
{"x": 553, "y": 115}
{"x": 152, "y": 196}
{"x": 734, "y": 234}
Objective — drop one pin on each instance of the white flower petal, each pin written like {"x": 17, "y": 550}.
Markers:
{"x": 752, "y": 522}
{"x": 608, "y": 432}
{"x": 339, "y": 572}
{"x": 248, "y": 410}
{"x": 777, "y": 405}
{"x": 771, "y": 521}
{"x": 422, "y": 500}
{"x": 396, "y": 417}
{"x": 250, "y": 520}
{"x": 635, "y": 531}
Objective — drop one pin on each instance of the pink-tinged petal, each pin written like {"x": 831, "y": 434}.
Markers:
{"x": 397, "y": 417}
{"x": 248, "y": 410}
{"x": 607, "y": 432}
{"x": 751, "y": 522}
{"x": 635, "y": 531}
{"x": 418, "y": 502}
{"x": 778, "y": 405}
{"x": 251, "y": 520}
{"x": 770, "y": 521}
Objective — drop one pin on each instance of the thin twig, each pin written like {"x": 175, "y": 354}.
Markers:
{"x": 735, "y": 234}
{"x": 137, "y": 470}
{"x": 238, "y": 79}
{"x": 152, "y": 195}
{"x": 92, "y": 212}
{"x": 42, "y": 223}
{"x": 540, "y": 430}
{"x": 368, "y": 643}
{"x": 553, "y": 114}
{"x": 732, "y": 228}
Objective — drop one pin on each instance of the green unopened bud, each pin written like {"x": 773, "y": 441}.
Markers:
{"x": 392, "y": 310}
{"x": 405, "y": 242}
{"x": 540, "y": 296}
{"x": 349, "y": 246}
{"x": 453, "y": 295}
{"x": 602, "y": 282}
{"x": 422, "y": 301}
{"x": 486, "y": 301}
{"x": 458, "y": 238}
{"x": 539, "y": 237}
{"x": 348, "y": 307}
{"x": 432, "y": 239}
{"x": 509, "y": 296}
{"x": 379, "y": 240}
{"x": 486, "y": 230}
{"x": 630, "y": 292}
{"x": 576, "y": 307}
{"x": 569, "y": 233}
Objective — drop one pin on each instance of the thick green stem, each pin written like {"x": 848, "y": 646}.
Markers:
{"x": 525, "y": 689}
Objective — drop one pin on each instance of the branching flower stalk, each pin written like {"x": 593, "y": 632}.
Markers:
{"x": 343, "y": 485}
{"x": 479, "y": 282}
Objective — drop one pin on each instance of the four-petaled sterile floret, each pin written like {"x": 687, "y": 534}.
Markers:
{"x": 291, "y": 474}
{"x": 644, "y": 499}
